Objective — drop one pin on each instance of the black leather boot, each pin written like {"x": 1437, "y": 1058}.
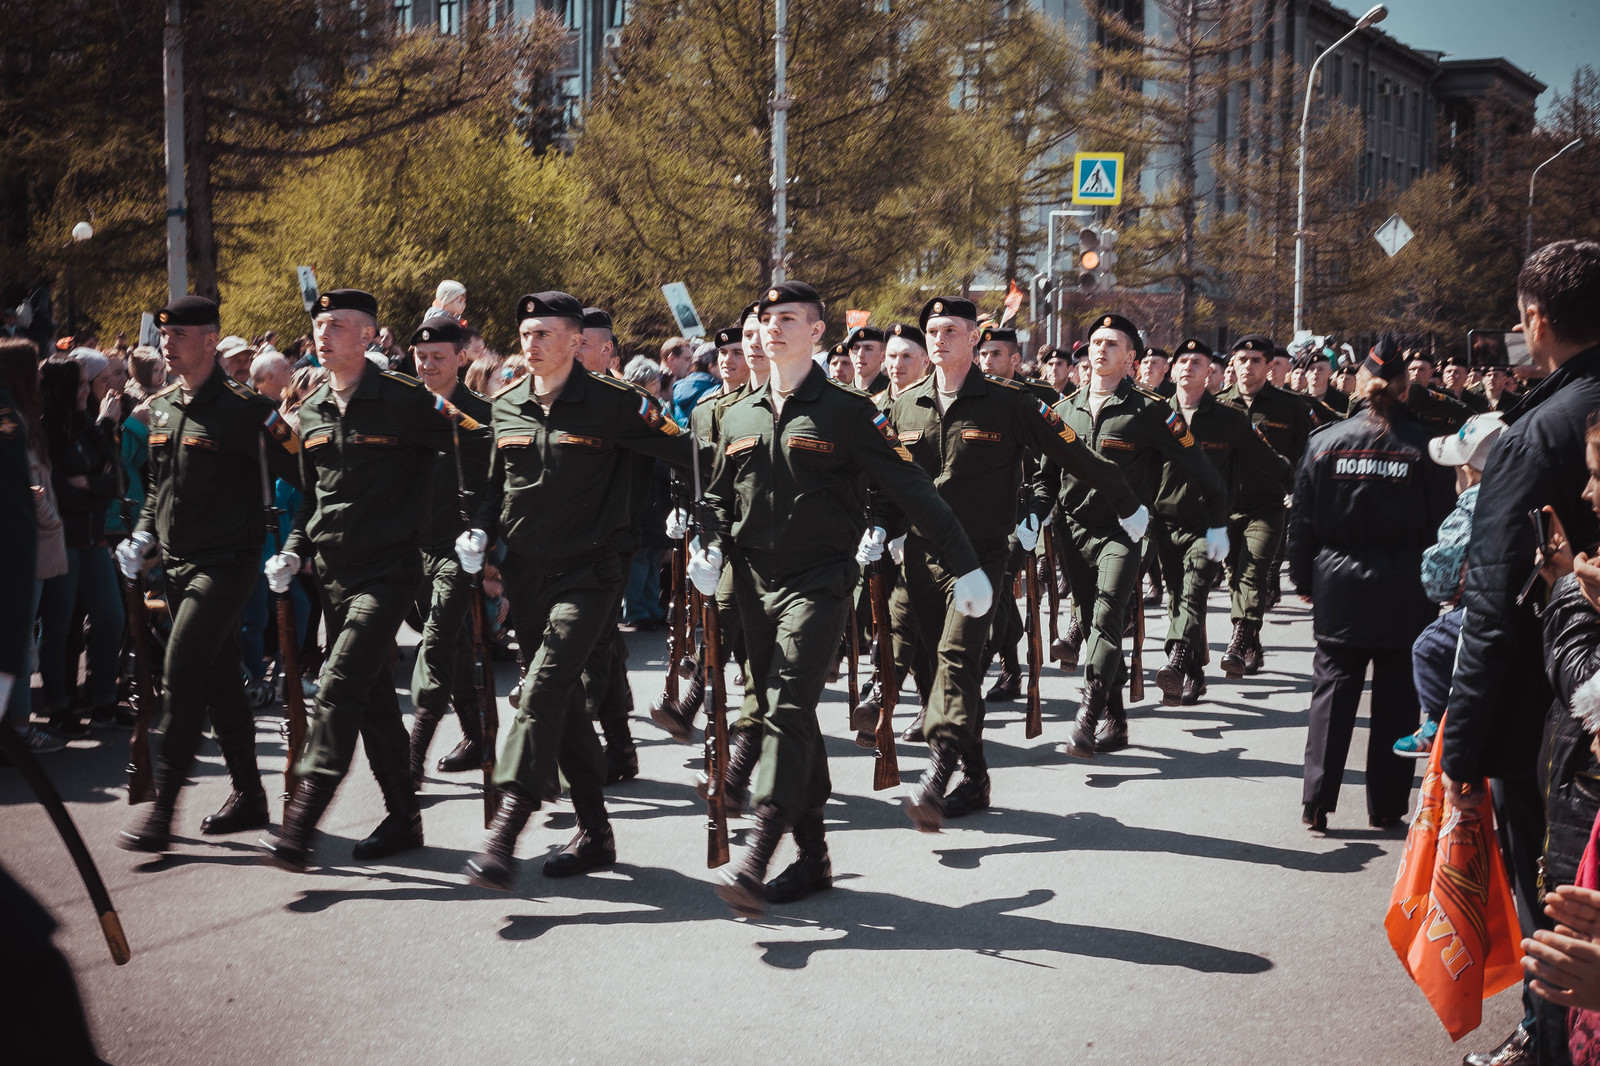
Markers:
{"x": 401, "y": 828}
{"x": 1113, "y": 735}
{"x": 494, "y": 866}
{"x": 423, "y": 726}
{"x": 812, "y": 870}
{"x": 153, "y": 833}
{"x": 743, "y": 889}
{"x": 241, "y": 811}
{"x": 622, "y": 762}
{"x": 1254, "y": 656}
{"x": 913, "y": 733}
{"x": 1170, "y": 678}
{"x": 925, "y": 806}
{"x": 592, "y": 848}
{"x": 1065, "y": 648}
{"x": 1008, "y": 686}
{"x": 1194, "y": 685}
{"x": 741, "y": 764}
{"x": 1314, "y": 817}
{"x": 1092, "y": 708}
{"x": 463, "y": 757}
{"x": 669, "y": 716}
{"x": 291, "y": 847}
{"x": 1233, "y": 660}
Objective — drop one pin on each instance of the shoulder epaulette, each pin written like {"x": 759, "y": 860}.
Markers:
{"x": 1007, "y": 382}
{"x": 879, "y": 397}
{"x": 850, "y": 389}
{"x": 405, "y": 379}
{"x": 617, "y": 383}
{"x": 240, "y": 388}
{"x": 1150, "y": 394}
{"x": 712, "y": 397}
{"x": 171, "y": 388}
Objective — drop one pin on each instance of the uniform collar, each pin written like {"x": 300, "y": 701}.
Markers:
{"x": 1207, "y": 401}
{"x": 215, "y": 382}
{"x": 1119, "y": 393}
{"x": 975, "y": 384}
{"x": 810, "y": 386}
{"x": 573, "y": 391}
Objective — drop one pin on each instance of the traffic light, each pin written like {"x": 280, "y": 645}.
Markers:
{"x": 1095, "y": 259}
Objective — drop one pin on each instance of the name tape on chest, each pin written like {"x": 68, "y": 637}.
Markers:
{"x": 743, "y": 444}
{"x": 317, "y": 440}
{"x": 811, "y": 444}
{"x": 10, "y": 426}
{"x": 579, "y": 441}
{"x": 982, "y": 436}
{"x": 205, "y": 444}
{"x": 1371, "y": 466}
{"x": 1116, "y": 444}
{"x": 911, "y": 436}
{"x": 376, "y": 439}
{"x": 513, "y": 442}
{"x": 158, "y": 439}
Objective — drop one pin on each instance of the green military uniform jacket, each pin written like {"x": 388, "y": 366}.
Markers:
{"x": 876, "y": 385}
{"x": 1141, "y": 434}
{"x": 561, "y": 484}
{"x": 792, "y": 487}
{"x": 443, "y": 522}
{"x": 1338, "y": 402}
{"x": 1436, "y": 410}
{"x": 205, "y": 497}
{"x": 1286, "y": 423}
{"x": 1235, "y": 447}
{"x": 976, "y": 451}
{"x": 1474, "y": 399}
{"x": 363, "y": 473}
{"x": 1480, "y": 402}
{"x": 706, "y": 422}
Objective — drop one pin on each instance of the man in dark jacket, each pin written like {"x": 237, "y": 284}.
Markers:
{"x": 1500, "y": 693}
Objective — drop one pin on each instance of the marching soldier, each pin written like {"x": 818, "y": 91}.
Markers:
{"x": 1144, "y": 436}
{"x": 370, "y": 438}
{"x": 1154, "y": 371}
{"x": 1319, "y": 375}
{"x": 207, "y": 436}
{"x": 1435, "y": 409}
{"x": 1453, "y": 380}
{"x": 974, "y": 434}
{"x": 442, "y": 677}
{"x": 866, "y": 345}
{"x": 1180, "y": 526}
{"x": 1256, "y": 527}
{"x": 787, "y": 502}
{"x": 559, "y": 497}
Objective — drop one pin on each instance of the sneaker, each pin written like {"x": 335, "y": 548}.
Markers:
{"x": 41, "y": 741}
{"x": 1418, "y": 745}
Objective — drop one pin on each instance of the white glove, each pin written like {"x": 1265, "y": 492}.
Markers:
{"x": 704, "y": 568}
{"x": 871, "y": 547}
{"x": 280, "y": 570}
{"x": 1028, "y": 533}
{"x": 1217, "y": 545}
{"x": 132, "y": 553}
{"x": 677, "y": 523}
{"x": 897, "y": 549}
{"x": 973, "y": 594}
{"x": 1136, "y": 523}
{"x": 1049, "y": 515}
{"x": 469, "y": 549}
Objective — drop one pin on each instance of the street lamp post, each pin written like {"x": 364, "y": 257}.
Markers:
{"x": 780, "y": 146}
{"x": 1576, "y": 142}
{"x": 1376, "y": 14}
{"x": 80, "y": 233}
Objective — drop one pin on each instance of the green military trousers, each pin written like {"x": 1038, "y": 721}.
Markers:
{"x": 1254, "y": 542}
{"x": 792, "y": 626}
{"x": 1182, "y": 551}
{"x": 1102, "y": 567}
{"x": 443, "y": 673}
{"x": 910, "y": 653}
{"x": 607, "y": 695}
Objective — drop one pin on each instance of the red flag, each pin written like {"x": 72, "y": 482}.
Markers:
{"x": 1014, "y": 296}
{"x": 1451, "y": 919}
{"x": 852, "y": 319}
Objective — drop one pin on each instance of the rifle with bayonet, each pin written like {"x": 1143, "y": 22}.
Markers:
{"x": 294, "y": 697}
{"x": 716, "y": 742}
{"x": 482, "y": 664}
{"x": 666, "y": 712}
{"x": 1034, "y": 722}
{"x": 141, "y": 780}
{"x": 885, "y": 678}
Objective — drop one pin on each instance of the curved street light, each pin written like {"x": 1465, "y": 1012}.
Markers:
{"x": 1576, "y": 142}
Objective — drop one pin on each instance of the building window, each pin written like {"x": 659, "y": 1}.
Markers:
{"x": 1416, "y": 111}
{"x": 1386, "y": 102}
{"x": 402, "y": 14}
{"x": 449, "y": 16}
{"x": 1400, "y": 107}
{"x": 1338, "y": 77}
{"x": 1383, "y": 172}
{"x": 1355, "y": 83}
{"x": 616, "y": 13}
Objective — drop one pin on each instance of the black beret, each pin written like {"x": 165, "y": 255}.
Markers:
{"x": 1053, "y": 353}
{"x": 439, "y": 331}
{"x": 1282, "y": 353}
{"x": 549, "y": 305}
{"x": 594, "y": 318}
{"x": 788, "y": 292}
{"x": 347, "y": 300}
{"x": 1162, "y": 352}
{"x": 906, "y": 331}
{"x": 1080, "y": 351}
{"x": 995, "y": 333}
{"x": 1195, "y": 346}
{"x": 1417, "y": 354}
{"x": 753, "y": 310}
{"x": 1457, "y": 359}
{"x": 729, "y": 335}
{"x": 1384, "y": 360}
{"x": 838, "y": 349}
{"x": 1117, "y": 322}
{"x": 190, "y": 311}
{"x": 865, "y": 333}
{"x": 951, "y": 306}
{"x": 1255, "y": 342}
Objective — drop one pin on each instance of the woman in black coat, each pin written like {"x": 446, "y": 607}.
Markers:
{"x": 1367, "y": 501}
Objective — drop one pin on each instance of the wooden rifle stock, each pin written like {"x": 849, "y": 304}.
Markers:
{"x": 1053, "y": 591}
{"x": 1034, "y": 724}
{"x": 141, "y": 780}
{"x": 885, "y": 681}
{"x": 716, "y": 735}
{"x": 294, "y": 697}
{"x": 1136, "y": 682}
{"x": 483, "y": 689}
{"x": 854, "y": 643}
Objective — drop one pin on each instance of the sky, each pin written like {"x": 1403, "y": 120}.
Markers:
{"x": 1547, "y": 38}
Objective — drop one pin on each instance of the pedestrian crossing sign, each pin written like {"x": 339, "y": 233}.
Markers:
{"x": 1097, "y": 178}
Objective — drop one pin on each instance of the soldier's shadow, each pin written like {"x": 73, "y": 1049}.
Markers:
{"x": 877, "y": 921}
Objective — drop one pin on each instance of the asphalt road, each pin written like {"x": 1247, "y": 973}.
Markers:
{"x": 1163, "y": 904}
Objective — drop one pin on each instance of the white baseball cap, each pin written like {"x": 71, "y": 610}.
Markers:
{"x": 1469, "y": 445}
{"x": 231, "y": 345}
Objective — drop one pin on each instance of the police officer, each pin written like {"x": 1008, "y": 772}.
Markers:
{"x": 1367, "y": 501}
{"x": 443, "y": 675}
{"x": 1255, "y": 529}
{"x": 370, "y": 439}
{"x": 1190, "y": 549}
{"x": 787, "y": 503}
{"x": 559, "y": 496}
{"x": 866, "y": 345}
{"x": 973, "y": 434}
{"x": 207, "y": 437}
{"x": 1143, "y": 435}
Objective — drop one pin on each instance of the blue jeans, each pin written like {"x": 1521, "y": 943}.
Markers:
{"x": 18, "y": 709}
{"x": 1433, "y": 662}
{"x": 91, "y": 580}
{"x": 642, "y": 600}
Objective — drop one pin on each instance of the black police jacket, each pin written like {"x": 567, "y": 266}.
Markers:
{"x": 1499, "y": 695}
{"x": 1367, "y": 501}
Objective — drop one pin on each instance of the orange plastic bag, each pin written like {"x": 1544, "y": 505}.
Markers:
{"x": 1451, "y": 917}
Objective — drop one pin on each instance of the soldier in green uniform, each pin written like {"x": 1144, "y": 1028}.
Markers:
{"x": 1255, "y": 530}
{"x": 370, "y": 438}
{"x": 1100, "y": 549}
{"x": 559, "y": 496}
{"x": 442, "y": 677}
{"x": 1435, "y": 409}
{"x": 1182, "y": 528}
{"x": 207, "y": 436}
{"x": 999, "y": 356}
{"x": 867, "y": 344}
{"x": 1453, "y": 380}
{"x": 1319, "y": 375}
{"x": 974, "y": 435}
{"x": 787, "y": 501}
